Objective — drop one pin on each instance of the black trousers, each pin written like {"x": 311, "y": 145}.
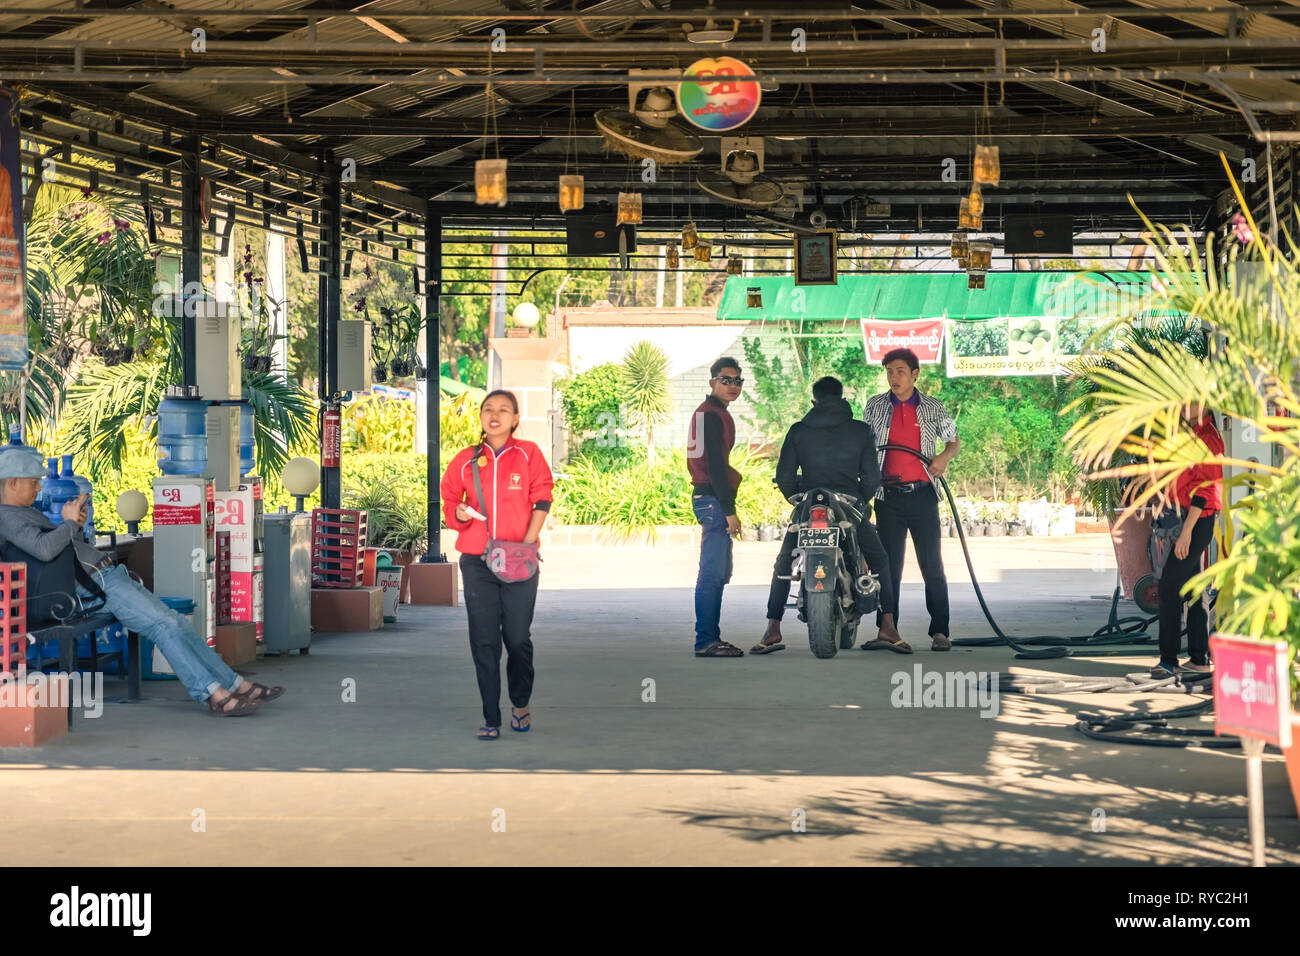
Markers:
{"x": 872, "y": 550}
{"x": 916, "y": 512}
{"x": 1177, "y": 572}
{"x": 499, "y": 613}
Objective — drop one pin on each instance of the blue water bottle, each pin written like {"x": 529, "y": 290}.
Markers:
{"x": 182, "y": 432}
{"x": 58, "y": 491}
{"x": 51, "y": 473}
{"x": 246, "y": 461}
{"x": 86, "y": 488}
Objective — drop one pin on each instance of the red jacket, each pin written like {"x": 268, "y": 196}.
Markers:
{"x": 516, "y": 482}
{"x": 1202, "y": 485}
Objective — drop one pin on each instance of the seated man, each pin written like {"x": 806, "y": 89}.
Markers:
{"x": 204, "y": 674}
{"x": 829, "y": 448}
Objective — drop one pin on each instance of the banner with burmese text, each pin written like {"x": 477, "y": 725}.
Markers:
{"x": 922, "y": 336}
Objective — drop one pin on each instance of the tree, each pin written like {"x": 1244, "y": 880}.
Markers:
{"x": 1252, "y": 310}
{"x": 645, "y": 389}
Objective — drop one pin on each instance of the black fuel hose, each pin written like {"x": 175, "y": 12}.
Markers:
{"x": 1130, "y": 727}
{"x": 1127, "y": 631}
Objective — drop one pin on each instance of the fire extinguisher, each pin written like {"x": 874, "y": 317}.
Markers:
{"x": 331, "y": 446}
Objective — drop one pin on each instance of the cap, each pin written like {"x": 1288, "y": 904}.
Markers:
{"x": 17, "y": 462}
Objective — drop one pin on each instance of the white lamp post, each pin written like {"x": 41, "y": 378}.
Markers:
{"x": 300, "y": 478}
{"x": 132, "y": 506}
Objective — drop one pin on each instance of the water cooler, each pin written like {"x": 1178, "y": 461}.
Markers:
{"x": 184, "y": 556}
{"x": 288, "y": 582}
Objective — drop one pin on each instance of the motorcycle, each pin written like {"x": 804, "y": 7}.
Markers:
{"x": 831, "y": 599}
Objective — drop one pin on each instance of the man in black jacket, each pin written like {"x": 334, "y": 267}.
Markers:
{"x": 830, "y": 448}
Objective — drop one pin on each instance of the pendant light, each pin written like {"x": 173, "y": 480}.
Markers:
{"x": 572, "y": 185}
{"x": 629, "y": 209}
{"x": 689, "y": 236}
{"x": 490, "y": 174}
{"x": 988, "y": 170}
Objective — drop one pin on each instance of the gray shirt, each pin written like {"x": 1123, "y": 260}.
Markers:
{"x": 29, "y": 529}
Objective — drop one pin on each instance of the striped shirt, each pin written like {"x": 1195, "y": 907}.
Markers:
{"x": 933, "y": 418}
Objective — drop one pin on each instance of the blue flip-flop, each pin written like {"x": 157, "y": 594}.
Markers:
{"x": 489, "y": 733}
{"x": 516, "y": 725}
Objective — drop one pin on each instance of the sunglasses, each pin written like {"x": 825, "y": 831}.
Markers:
{"x": 728, "y": 380}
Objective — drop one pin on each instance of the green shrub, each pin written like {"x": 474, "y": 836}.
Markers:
{"x": 588, "y": 395}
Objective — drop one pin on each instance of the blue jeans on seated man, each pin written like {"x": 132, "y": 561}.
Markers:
{"x": 197, "y": 666}
{"x": 715, "y": 569}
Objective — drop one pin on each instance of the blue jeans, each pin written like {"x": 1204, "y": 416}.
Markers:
{"x": 197, "y": 666}
{"x": 715, "y": 569}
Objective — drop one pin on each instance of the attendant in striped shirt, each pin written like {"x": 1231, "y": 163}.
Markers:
{"x": 908, "y": 500}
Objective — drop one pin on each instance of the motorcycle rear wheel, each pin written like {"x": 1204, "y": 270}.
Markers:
{"x": 823, "y": 626}
{"x": 848, "y": 635}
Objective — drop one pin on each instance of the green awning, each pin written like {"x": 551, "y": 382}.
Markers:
{"x": 932, "y": 295}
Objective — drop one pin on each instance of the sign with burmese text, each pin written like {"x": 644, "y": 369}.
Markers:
{"x": 922, "y": 336}
{"x": 1252, "y": 693}
{"x": 13, "y": 322}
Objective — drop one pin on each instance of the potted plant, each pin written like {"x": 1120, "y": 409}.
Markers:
{"x": 1016, "y": 527}
{"x": 995, "y": 519}
{"x": 1248, "y": 372}
{"x": 407, "y": 537}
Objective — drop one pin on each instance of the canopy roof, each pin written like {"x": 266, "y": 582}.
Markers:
{"x": 934, "y": 295}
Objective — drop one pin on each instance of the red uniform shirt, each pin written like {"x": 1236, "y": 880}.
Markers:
{"x": 515, "y": 481}
{"x": 904, "y": 429}
{"x": 1203, "y": 484}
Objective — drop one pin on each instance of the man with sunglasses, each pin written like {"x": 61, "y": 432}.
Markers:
{"x": 710, "y": 438}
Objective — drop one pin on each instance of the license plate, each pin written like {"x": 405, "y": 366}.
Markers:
{"x": 818, "y": 537}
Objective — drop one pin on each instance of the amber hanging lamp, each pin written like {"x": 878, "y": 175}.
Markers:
{"x": 490, "y": 174}
{"x": 572, "y": 185}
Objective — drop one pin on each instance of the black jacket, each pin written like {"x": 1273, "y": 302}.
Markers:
{"x": 830, "y": 449}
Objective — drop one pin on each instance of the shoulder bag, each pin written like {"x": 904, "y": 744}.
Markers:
{"x": 510, "y": 561}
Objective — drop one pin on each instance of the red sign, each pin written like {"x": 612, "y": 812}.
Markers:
{"x": 1252, "y": 695}
{"x": 922, "y": 336}
{"x": 179, "y": 503}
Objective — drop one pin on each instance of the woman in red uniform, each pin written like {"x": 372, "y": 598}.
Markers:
{"x": 1199, "y": 494}
{"x": 516, "y": 484}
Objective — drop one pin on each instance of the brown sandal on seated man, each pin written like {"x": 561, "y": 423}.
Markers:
{"x": 257, "y": 693}
{"x": 232, "y": 705}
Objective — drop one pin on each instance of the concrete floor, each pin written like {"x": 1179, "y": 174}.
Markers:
{"x": 714, "y": 771}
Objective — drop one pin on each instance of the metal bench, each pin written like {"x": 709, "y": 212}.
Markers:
{"x": 70, "y": 631}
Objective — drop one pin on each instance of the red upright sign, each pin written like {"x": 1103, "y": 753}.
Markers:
{"x": 1252, "y": 695}
{"x": 922, "y": 336}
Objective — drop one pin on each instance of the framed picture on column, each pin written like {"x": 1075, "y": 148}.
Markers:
{"x": 814, "y": 258}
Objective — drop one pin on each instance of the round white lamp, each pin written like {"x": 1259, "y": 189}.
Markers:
{"x": 300, "y": 478}
{"x": 527, "y": 315}
{"x": 132, "y": 506}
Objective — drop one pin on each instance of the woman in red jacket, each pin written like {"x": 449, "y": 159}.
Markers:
{"x": 517, "y": 490}
{"x": 1199, "y": 494}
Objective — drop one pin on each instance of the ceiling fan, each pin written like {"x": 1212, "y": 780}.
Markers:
{"x": 645, "y": 130}
{"x": 740, "y": 179}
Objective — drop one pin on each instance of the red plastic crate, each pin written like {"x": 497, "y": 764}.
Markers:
{"x": 13, "y": 619}
{"x": 337, "y": 547}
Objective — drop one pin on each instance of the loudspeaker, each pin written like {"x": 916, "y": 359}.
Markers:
{"x": 1034, "y": 235}
{"x": 597, "y": 233}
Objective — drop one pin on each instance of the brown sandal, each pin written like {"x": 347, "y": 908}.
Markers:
{"x": 257, "y": 693}
{"x": 223, "y": 709}
{"x": 720, "y": 649}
